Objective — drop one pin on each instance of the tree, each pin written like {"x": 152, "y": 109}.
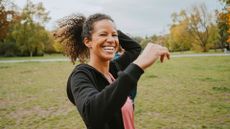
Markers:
{"x": 6, "y": 15}
{"x": 223, "y": 22}
{"x": 29, "y": 33}
{"x": 199, "y": 26}
{"x": 227, "y": 2}
{"x": 137, "y": 38}
{"x": 179, "y": 38}
{"x": 22, "y": 31}
{"x": 147, "y": 39}
{"x": 52, "y": 46}
{"x": 194, "y": 24}
{"x": 30, "y": 38}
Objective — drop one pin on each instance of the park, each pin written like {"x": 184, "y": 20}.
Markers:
{"x": 191, "y": 90}
{"x": 185, "y": 92}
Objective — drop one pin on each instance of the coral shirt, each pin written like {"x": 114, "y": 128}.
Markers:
{"x": 127, "y": 110}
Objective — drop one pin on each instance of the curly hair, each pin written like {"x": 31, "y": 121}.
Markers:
{"x": 71, "y": 32}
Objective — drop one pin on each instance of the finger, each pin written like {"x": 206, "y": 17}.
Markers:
{"x": 165, "y": 55}
{"x": 162, "y": 58}
{"x": 168, "y": 55}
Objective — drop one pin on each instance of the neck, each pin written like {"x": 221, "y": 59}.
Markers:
{"x": 101, "y": 66}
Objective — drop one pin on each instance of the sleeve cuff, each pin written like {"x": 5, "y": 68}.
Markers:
{"x": 134, "y": 71}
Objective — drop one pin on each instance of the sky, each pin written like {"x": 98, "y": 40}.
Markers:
{"x": 136, "y": 17}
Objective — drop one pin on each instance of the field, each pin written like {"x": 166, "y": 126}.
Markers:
{"x": 182, "y": 93}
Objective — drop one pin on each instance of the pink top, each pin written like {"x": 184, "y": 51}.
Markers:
{"x": 127, "y": 110}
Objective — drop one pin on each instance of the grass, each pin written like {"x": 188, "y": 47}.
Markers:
{"x": 181, "y": 93}
{"x": 58, "y": 56}
{"x": 211, "y": 51}
{"x": 46, "y": 56}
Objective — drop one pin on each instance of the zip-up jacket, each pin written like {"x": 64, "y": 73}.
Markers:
{"x": 99, "y": 102}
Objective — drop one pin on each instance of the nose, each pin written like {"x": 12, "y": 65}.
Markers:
{"x": 111, "y": 39}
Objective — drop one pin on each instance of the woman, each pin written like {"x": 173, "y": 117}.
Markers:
{"x": 100, "y": 88}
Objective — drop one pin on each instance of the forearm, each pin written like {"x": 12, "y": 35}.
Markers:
{"x": 132, "y": 50}
{"x": 128, "y": 43}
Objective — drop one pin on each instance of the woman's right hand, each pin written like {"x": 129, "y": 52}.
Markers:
{"x": 150, "y": 54}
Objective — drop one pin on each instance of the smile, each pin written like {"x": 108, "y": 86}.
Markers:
{"x": 110, "y": 49}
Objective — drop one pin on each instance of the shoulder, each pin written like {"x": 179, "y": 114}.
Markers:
{"x": 79, "y": 74}
{"x": 83, "y": 68}
{"x": 86, "y": 71}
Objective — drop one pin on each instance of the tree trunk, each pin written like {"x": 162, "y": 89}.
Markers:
{"x": 31, "y": 53}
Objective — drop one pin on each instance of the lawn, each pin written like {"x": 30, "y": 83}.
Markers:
{"x": 46, "y": 56}
{"x": 182, "y": 93}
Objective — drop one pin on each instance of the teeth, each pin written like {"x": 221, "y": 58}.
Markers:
{"x": 109, "y": 49}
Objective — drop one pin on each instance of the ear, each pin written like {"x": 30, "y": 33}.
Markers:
{"x": 87, "y": 42}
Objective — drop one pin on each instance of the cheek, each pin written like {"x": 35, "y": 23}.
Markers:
{"x": 96, "y": 42}
{"x": 117, "y": 44}
{"x": 99, "y": 40}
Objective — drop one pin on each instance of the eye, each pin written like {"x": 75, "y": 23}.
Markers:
{"x": 103, "y": 34}
{"x": 115, "y": 35}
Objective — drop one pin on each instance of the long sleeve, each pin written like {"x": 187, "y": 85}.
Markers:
{"x": 97, "y": 107}
{"x": 100, "y": 107}
{"x": 132, "y": 50}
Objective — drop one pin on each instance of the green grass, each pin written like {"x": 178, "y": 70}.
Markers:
{"x": 46, "y": 56}
{"x": 211, "y": 51}
{"x": 58, "y": 56}
{"x": 182, "y": 93}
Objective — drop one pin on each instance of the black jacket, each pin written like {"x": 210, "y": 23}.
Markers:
{"x": 98, "y": 102}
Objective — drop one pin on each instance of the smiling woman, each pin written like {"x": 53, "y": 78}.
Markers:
{"x": 104, "y": 41}
{"x": 100, "y": 88}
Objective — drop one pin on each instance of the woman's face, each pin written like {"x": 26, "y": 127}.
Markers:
{"x": 104, "y": 42}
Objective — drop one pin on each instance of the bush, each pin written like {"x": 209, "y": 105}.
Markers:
{"x": 8, "y": 49}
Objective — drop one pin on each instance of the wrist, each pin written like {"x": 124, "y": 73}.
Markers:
{"x": 139, "y": 64}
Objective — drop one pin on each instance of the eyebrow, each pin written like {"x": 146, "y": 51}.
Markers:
{"x": 104, "y": 31}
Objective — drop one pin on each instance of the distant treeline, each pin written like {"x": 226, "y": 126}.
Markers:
{"x": 196, "y": 29}
{"x": 23, "y": 32}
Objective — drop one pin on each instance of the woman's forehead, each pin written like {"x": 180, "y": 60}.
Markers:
{"x": 104, "y": 25}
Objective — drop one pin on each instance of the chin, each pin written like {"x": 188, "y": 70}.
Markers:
{"x": 109, "y": 58}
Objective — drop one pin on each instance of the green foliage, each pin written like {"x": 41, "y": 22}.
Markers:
{"x": 214, "y": 38}
{"x": 27, "y": 35}
{"x": 50, "y": 44}
{"x": 225, "y": 1}
{"x": 8, "y": 49}
{"x": 58, "y": 46}
{"x": 145, "y": 41}
{"x": 29, "y": 38}
{"x": 223, "y": 22}
{"x": 158, "y": 39}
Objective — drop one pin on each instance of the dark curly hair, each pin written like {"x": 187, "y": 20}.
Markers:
{"x": 71, "y": 32}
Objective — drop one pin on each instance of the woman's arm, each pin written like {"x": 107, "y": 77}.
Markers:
{"x": 132, "y": 50}
{"x": 150, "y": 55}
{"x": 97, "y": 107}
